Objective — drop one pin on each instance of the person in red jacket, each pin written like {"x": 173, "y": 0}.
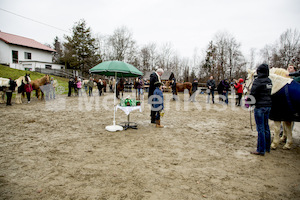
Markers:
{"x": 28, "y": 89}
{"x": 239, "y": 91}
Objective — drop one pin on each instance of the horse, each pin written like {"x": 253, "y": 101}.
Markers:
{"x": 20, "y": 89}
{"x": 104, "y": 84}
{"x": 38, "y": 83}
{"x": 180, "y": 87}
{"x": 120, "y": 87}
{"x": 283, "y": 98}
{"x": 4, "y": 84}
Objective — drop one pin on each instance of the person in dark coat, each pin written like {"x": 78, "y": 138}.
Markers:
{"x": 173, "y": 85}
{"x": 194, "y": 90}
{"x": 11, "y": 89}
{"x": 211, "y": 85}
{"x": 261, "y": 91}
{"x": 100, "y": 86}
{"x": 226, "y": 88}
{"x": 154, "y": 77}
{"x": 70, "y": 86}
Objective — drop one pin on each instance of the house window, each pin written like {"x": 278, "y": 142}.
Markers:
{"x": 15, "y": 57}
{"x": 48, "y": 66}
{"x": 27, "y": 56}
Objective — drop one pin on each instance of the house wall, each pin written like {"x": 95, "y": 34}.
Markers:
{"x": 4, "y": 53}
{"x": 39, "y": 58}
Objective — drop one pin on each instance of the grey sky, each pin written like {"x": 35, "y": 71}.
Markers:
{"x": 187, "y": 24}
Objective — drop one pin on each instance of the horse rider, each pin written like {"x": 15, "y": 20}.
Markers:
{"x": 154, "y": 77}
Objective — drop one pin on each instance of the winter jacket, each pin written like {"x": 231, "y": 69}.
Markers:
{"x": 211, "y": 83}
{"x": 239, "y": 87}
{"x": 226, "y": 85}
{"x": 28, "y": 87}
{"x": 12, "y": 86}
{"x": 296, "y": 76}
{"x": 194, "y": 86}
{"x": 79, "y": 84}
{"x": 262, "y": 86}
{"x": 158, "y": 92}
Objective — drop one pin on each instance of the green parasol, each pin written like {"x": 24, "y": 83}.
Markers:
{"x": 117, "y": 69}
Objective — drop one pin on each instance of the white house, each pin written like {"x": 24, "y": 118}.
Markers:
{"x": 24, "y": 53}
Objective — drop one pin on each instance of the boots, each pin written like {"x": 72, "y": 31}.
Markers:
{"x": 158, "y": 124}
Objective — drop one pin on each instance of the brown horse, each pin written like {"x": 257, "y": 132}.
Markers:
{"x": 36, "y": 85}
{"x": 120, "y": 88}
{"x": 180, "y": 87}
{"x": 104, "y": 84}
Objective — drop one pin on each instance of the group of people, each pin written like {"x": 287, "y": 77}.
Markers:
{"x": 48, "y": 89}
{"x": 223, "y": 89}
{"x": 74, "y": 85}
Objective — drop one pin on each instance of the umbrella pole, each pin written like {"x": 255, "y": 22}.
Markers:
{"x": 114, "y": 122}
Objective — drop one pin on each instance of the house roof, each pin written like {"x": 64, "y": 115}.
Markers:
{"x": 23, "y": 41}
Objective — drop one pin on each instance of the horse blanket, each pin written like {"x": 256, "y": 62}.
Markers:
{"x": 286, "y": 103}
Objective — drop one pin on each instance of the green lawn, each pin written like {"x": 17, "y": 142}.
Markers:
{"x": 7, "y": 72}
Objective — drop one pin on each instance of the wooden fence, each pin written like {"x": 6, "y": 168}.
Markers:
{"x": 66, "y": 73}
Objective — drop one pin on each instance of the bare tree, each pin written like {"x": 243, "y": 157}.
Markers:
{"x": 289, "y": 45}
{"x": 165, "y": 56}
{"x": 122, "y": 45}
{"x": 148, "y": 57}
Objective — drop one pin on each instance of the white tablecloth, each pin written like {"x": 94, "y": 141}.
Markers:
{"x": 128, "y": 109}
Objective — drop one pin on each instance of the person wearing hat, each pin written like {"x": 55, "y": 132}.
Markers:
{"x": 239, "y": 91}
{"x": 158, "y": 103}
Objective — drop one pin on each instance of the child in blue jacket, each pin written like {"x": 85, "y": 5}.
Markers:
{"x": 158, "y": 103}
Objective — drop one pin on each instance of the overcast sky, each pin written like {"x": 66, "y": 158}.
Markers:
{"x": 187, "y": 24}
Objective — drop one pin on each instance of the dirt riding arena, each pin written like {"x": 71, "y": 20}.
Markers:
{"x": 60, "y": 150}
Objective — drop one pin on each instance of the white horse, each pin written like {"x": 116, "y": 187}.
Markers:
{"x": 279, "y": 79}
{"x": 4, "y": 84}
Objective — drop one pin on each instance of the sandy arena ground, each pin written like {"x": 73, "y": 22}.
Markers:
{"x": 60, "y": 150}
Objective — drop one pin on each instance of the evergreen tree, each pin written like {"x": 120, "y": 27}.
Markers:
{"x": 80, "y": 49}
{"x": 57, "y": 57}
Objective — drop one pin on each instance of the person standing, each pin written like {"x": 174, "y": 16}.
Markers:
{"x": 100, "y": 86}
{"x": 194, "y": 89}
{"x": 226, "y": 88}
{"x": 9, "y": 92}
{"x": 158, "y": 103}
{"x": 70, "y": 86}
{"x": 239, "y": 91}
{"x": 261, "y": 91}
{"x": 140, "y": 87}
{"x": 211, "y": 85}
{"x": 28, "y": 89}
{"x": 52, "y": 87}
{"x": 91, "y": 85}
{"x": 173, "y": 85}
{"x": 154, "y": 77}
{"x": 79, "y": 86}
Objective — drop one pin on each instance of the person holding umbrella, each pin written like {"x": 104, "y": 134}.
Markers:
{"x": 154, "y": 77}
